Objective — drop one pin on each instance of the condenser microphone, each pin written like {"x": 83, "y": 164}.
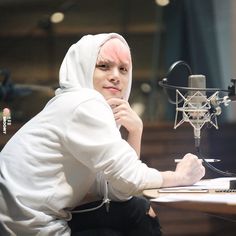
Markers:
{"x": 196, "y": 104}
{"x": 196, "y": 107}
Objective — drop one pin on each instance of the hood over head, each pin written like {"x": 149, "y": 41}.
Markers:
{"x": 77, "y": 68}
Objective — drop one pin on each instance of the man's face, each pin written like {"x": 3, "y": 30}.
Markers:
{"x": 112, "y": 69}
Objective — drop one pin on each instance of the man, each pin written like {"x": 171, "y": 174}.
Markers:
{"x": 72, "y": 153}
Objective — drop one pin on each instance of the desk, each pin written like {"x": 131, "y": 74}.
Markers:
{"x": 194, "y": 204}
{"x": 204, "y": 196}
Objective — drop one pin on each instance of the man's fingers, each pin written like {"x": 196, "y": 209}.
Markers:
{"x": 115, "y": 101}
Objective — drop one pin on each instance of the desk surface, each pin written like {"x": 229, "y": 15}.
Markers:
{"x": 193, "y": 201}
{"x": 204, "y": 196}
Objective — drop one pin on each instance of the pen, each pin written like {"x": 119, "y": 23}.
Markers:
{"x": 208, "y": 160}
{"x": 171, "y": 190}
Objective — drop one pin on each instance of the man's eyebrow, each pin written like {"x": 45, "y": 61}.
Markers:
{"x": 111, "y": 62}
{"x": 125, "y": 63}
{"x": 104, "y": 60}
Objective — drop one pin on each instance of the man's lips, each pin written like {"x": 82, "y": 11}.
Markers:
{"x": 112, "y": 88}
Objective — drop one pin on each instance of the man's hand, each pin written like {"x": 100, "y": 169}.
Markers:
{"x": 124, "y": 115}
{"x": 188, "y": 171}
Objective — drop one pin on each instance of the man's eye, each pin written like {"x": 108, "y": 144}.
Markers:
{"x": 102, "y": 66}
{"x": 124, "y": 69}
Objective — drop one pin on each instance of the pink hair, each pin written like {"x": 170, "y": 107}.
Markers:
{"x": 114, "y": 49}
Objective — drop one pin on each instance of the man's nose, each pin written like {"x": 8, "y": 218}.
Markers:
{"x": 115, "y": 75}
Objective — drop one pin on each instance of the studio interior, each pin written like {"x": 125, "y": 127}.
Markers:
{"x": 169, "y": 41}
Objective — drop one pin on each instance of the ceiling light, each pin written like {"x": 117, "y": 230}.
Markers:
{"x": 57, "y": 17}
{"x": 162, "y": 2}
{"x": 145, "y": 87}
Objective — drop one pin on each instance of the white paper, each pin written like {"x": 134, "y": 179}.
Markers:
{"x": 229, "y": 198}
{"x": 217, "y": 184}
{"x": 197, "y": 191}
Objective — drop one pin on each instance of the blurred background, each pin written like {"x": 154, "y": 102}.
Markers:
{"x": 36, "y": 34}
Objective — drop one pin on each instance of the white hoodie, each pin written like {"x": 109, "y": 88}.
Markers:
{"x": 67, "y": 150}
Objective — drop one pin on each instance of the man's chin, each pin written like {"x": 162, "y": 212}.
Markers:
{"x": 112, "y": 96}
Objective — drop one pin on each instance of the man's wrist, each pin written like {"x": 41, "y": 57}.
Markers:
{"x": 170, "y": 179}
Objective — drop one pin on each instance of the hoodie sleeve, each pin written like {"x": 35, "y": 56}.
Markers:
{"x": 93, "y": 139}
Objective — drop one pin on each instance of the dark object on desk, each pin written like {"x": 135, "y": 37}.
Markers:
{"x": 225, "y": 190}
{"x": 232, "y": 184}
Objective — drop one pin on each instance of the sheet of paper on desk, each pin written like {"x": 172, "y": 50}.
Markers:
{"x": 193, "y": 192}
{"x": 228, "y": 198}
{"x": 217, "y": 183}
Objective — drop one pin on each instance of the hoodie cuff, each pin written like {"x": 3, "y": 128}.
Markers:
{"x": 154, "y": 179}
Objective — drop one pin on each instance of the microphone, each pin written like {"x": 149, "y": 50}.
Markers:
{"x": 196, "y": 108}
{"x": 197, "y": 101}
